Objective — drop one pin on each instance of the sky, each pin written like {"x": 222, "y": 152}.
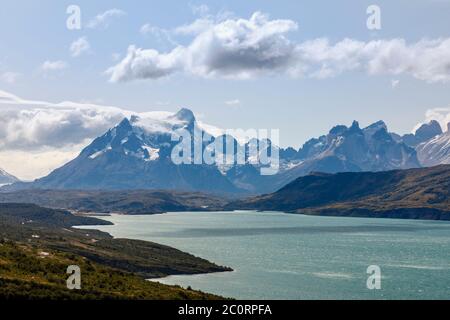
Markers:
{"x": 298, "y": 66}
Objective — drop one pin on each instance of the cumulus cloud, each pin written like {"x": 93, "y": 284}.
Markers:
{"x": 48, "y": 65}
{"x": 9, "y": 77}
{"x": 427, "y": 60}
{"x": 146, "y": 64}
{"x": 247, "y": 48}
{"x": 79, "y": 46}
{"x": 38, "y": 136}
{"x": 31, "y": 125}
{"x": 104, "y": 19}
{"x": 233, "y": 48}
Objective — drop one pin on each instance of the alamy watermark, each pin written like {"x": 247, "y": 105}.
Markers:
{"x": 374, "y": 279}
{"x": 374, "y": 19}
{"x": 74, "y": 280}
{"x": 199, "y": 147}
{"x": 73, "y": 22}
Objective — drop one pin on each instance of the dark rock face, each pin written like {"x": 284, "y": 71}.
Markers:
{"x": 424, "y": 133}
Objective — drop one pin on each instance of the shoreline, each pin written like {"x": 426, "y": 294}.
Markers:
{"x": 96, "y": 228}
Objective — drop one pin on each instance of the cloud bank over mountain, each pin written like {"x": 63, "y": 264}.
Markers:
{"x": 31, "y": 125}
{"x": 238, "y": 48}
{"x": 38, "y": 136}
{"x": 442, "y": 115}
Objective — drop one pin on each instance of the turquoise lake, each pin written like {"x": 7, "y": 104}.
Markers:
{"x": 286, "y": 256}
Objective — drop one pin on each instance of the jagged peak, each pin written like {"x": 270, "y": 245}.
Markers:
{"x": 378, "y": 124}
{"x": 337, "y": 130}
{"x": 185, "y": 115}
{"x": 432, "y": 125}
{"x": 125, "y": 122}
{"x": 134, "y": 118}
{"x": 354, "y": 129}
{"x": 355, "y": 125}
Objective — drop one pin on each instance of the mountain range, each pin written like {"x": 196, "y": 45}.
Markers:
{"x": 136, "y": 154}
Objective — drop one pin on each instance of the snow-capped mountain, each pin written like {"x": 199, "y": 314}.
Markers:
{"x": 351, "y": 149}
{"x": 136, "y": 154}
{"x": 6, "y": 178}
{"x": 436, "y": 150}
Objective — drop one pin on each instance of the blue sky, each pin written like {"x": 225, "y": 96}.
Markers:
{"x": 37, "y": 63}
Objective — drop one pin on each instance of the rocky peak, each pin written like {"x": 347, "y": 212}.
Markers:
{"x": 185, "y": 115}
{"x": 428, "y": 130}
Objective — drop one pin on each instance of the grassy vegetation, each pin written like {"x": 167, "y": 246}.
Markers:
{"x": 33, "y": 215}
{"x": 38, "y": 244}
{"x": 26, "y": 273}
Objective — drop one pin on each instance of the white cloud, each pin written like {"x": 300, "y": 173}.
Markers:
{"x": 442, "y": 115}
{"x": 233, "y": 48}
{"x": 427, "y": 60}
{"x": 32, "y": 165}
{"x": 145, "y": 64}
{"x": 395, "y": 83}
{"x": 37, "y": 127}
{"x": 79, "y": 46}
{"x": 48, "y": 66}
{"x": 234, "y": 102}
{"x": 9, "y": 77}
{"x": 161, "y": 34}
{"x": 247, "y": 48}
{"x": 158, "y": 32}
{"x": 148, "y": 28}
{"x": 196, "y": 27}
{"x": 31, "y": 125}
{"x": 38, "y": 136}
{"x": 201, "y": 9}
{"x": 104, "y": 19}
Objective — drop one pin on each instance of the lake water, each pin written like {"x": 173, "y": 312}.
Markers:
{"x": 286, "y": 256}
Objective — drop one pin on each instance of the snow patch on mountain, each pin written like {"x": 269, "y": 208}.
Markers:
{"x": 153, "y": 153}
{"x": 99, "y": 153}
{"x": 436, "y": 150}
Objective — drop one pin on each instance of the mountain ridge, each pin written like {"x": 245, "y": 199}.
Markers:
{"x": 413, "y": 193}
{"x": 136, "y": 154}
{"x": 7, "y": 178}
